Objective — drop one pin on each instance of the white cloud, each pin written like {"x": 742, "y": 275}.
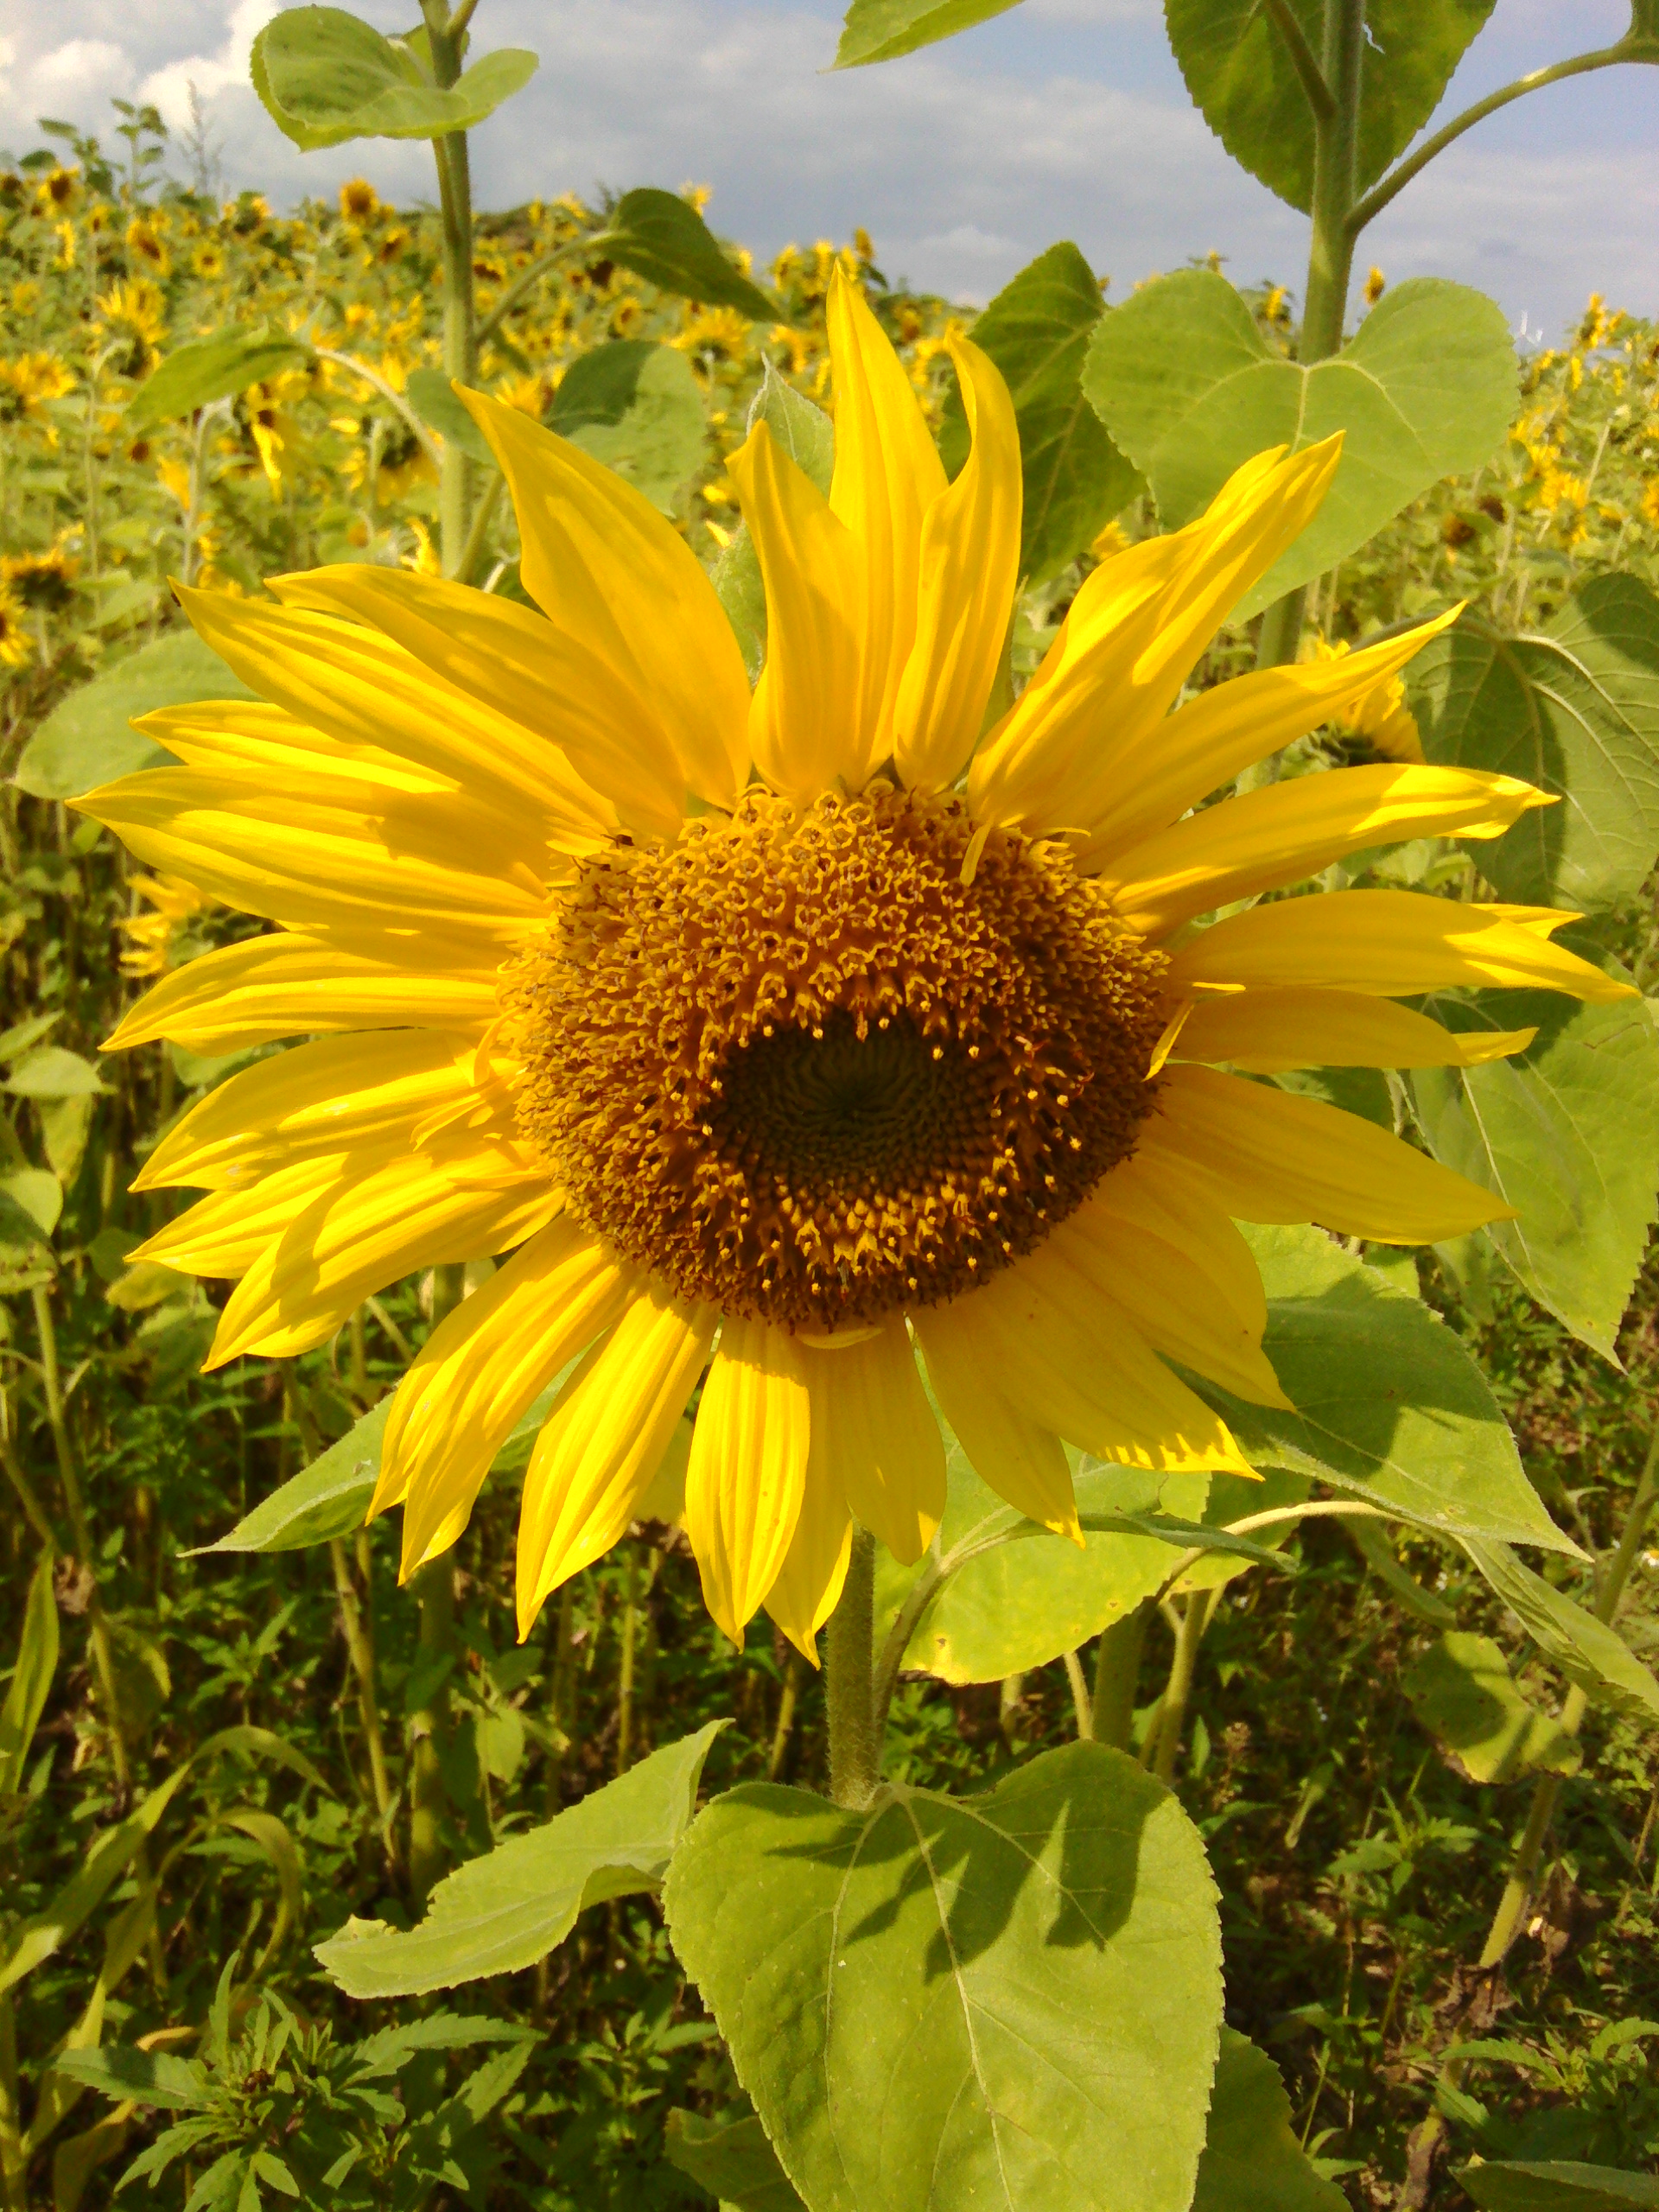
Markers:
{"x": 170, "y": 86}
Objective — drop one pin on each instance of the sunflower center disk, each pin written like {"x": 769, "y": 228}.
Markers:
{"x": 793, "y": 1063}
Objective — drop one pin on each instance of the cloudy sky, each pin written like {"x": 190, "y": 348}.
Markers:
{"x": 1064, "y": 118}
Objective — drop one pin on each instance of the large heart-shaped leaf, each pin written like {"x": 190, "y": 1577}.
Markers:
{"x": 1555, "y": 2186}
{"x": 880, "y": 30}
{"x": 733, "y": 2160}
{"x": 1568, "y": 1132}
{"x": 1238, "y": 67}
{"x": 1463, "y": 1694}
{"x": 1588, "y": 1651}
{"x": 1573, "y": 708}
{"x": 1252, "y": 2161}
{"x": 509, "y": 1908}
{"x": 206, "y": 369}
{"x": 1190, "y": 390}
{"x": 326, "y": 76}
{"x": 635, "y": 405}
{"x": 1006, "y": 2000}
{"x": 1388, "y": 1404}
{"x": 662, "y": 238}
{"x": 1037, "y": 331}
{"x": 85, "y": 740}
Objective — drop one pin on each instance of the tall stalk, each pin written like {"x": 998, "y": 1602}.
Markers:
{"x": 429, "y": 1727}
{"x": 445, "y": 35}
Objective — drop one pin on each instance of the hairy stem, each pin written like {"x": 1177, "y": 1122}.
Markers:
{"x": 1117, "y": 1672}
{"x": 360, "y": 1648}
{"x": 1172, "y": 1717}
{"x": 850, "y": 1682}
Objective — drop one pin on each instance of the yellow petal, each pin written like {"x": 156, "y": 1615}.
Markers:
{"x": 747, "y": 1471}
{"x": 601, "y": 734}
{"x": 1132, "y": 637}
{"x": 480, "y": 1368}
{"x": 604, "y": 566}
{"x": 887, "y": 474}
{"x": 805, "y": 728}
{"x": 292, "y": 984}
{"x": 239, "y": 734}
{"x": 1393, "y": 944}
{"x": 601, "y": 1446}
{"x": 1022, "y": 1460}
{"x": 875, "y": 1440}
{"x": 969, "y": 566}
{"x": 808, "y": 1584}
{"x": 1271, "y": 1156}
{"x": 1288, "y": 831}
{"x": 224, "y": 1235}
{"x": 1266, "y": 1031}
{"x": 325, "y": 1097}
{"x": 366, "y": 1231}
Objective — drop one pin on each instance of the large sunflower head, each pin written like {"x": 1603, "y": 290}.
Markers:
{"x": 790, "y": 1041}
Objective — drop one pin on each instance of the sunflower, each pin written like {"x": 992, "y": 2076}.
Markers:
{"x": 779, "y": 1038}
{"x": 45, "y": 581}
{"x": 150, "y": 936}
{"x": 16, "y": 649}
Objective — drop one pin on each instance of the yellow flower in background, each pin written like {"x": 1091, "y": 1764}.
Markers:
{"x": 149, "y": 950}
{"x": 782, "y": 1038}
{"x": 1651, "y": 502}
{"x": 208, "y": 260}
{"x": 721, "y": 332}
{"x": 58, "y": 191}
{"x": 137, "y": 308}
{"x": 16, "y": 647}
{"x": 46, "y": 580}
{"x": 175, "y": 479}
{"x": 1376, "y": 284}
{"x": 30, "y": 379}
{"x": 359, "y": 202}
{"x": 1380, "y": 716}
{"x": 147, "y": 247}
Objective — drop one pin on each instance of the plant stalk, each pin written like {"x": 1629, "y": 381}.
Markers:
{"x": 1172, "y": 1717}
{"x": 850, "y": 1682}
{"x": 359, "y": 1646}
{"x": 459, "y": 344}
{"x": 1117, "y": 1674}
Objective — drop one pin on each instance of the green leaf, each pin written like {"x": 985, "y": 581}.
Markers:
{"x": 1568, "y": 1132}
{"x": 85, "y": 740}
{"x": 663, "y": 238}
{"x": 390, "y": 2050}
{"x": 1190, "y": 390}
{"x": 149, "y": 2078}
{"x": 1239, "y": 71}
{"x": 326, "y": 76}
{"x": 328, "y": 1498}
{"x": 207, "y": 369}
{"x": 808, "y": 436}
{"x": 1252, "y": 2161}
{"x": 1388, "y": 1404}
{"x": 31, "y": 1681}
{"x": 1012, "y": 1998}
{"x": 1462, "y": 1693}
{"x": 1586, "y": 1649}
{"x": 880, "y": 30}
{"x": 1037, "y": 331}
{"x": 732, "y": 2159}
{"x": 1573, "y": 707}
{"x": 431, "y": 394}
{"x": 509, "y": 1908}
{"x": 1507, "y": 2185}
{"x": 50, "y": 1072}
{"x": 636, "y": 406}
{"x": 18, "y": 1227}
{"x": 742, "y": 592}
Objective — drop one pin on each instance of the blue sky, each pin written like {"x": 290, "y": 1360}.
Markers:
{"x": 1064, "y": 118}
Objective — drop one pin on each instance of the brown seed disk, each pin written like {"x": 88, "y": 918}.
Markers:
{"x": 795, "y": 1064}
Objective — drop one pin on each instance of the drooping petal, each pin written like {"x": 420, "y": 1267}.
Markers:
{"x": 969, "y": 566}
{"x": 481, "y": 1367}
{"x": 1268, "y": 1031}
{"x": 1131, "y": 638}
{"x": 1393, "y": 944}
{"x": 238, "y": 734}
{"x": 1022, "y": 1459}
{"x": 323, "y": 1097}
{"x": 604, "y": 566}
{"x": 1268, "y": 838}
{"x": 1272, "y": 1156}
{"x": 810, "y": 1581}
{"x": 294, "y": 984}
{"x": 601, "y": 1445}
{"x": 225, "y": 1234}
{"x": 747, "y": 1471}
{"x": 810, "y": 722}
{"x": 887, "y": 474}
{"x": 874, "y": 1439}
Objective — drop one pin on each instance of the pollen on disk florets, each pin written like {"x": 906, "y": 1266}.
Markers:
{"x": 794, "y": 1064}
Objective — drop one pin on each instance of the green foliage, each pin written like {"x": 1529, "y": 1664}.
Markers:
{"x": 808, "y": 436}
{"x": 1566, "y": 1131}
{"x": 635, "y": 405}
{"x": 662, "y": 238}
{"x": 1575, "y": 709}
{"x": 1252, "y": 2161}
{"x": 324, "y": 76}
{"x": 31, "y": 1681}
{"x": 207, "y": 369}
{"x": 880, "y": 30}
{"x": 1190, "y": 389}
{"x": 884, "y": 1978}
{"x": 328, "y": 1498}
{"x": 1237, "y": 63}
{"x": 1037, "y": 331}
{"x": 1586, "y": 1649}
{"x": 509, "y": 1908}
{"x": 733, "y": 2160}
{"x": 88, "y": 741}
{"x": 1464, "y": 1695}
{"x": 432, "y": 396}
{"x": 1553, "y": 2186}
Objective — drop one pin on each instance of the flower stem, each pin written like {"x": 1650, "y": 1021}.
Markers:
{"x": 850, "y": 1682}
{"x": 1117, "y": 1674}
{"x": 1171, "y": 1718}
{"x": 443, "y": 33}
{"x": 359, "y": 1645}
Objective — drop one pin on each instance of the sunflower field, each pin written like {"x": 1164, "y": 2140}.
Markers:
{"x": 825, "y": 1118}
